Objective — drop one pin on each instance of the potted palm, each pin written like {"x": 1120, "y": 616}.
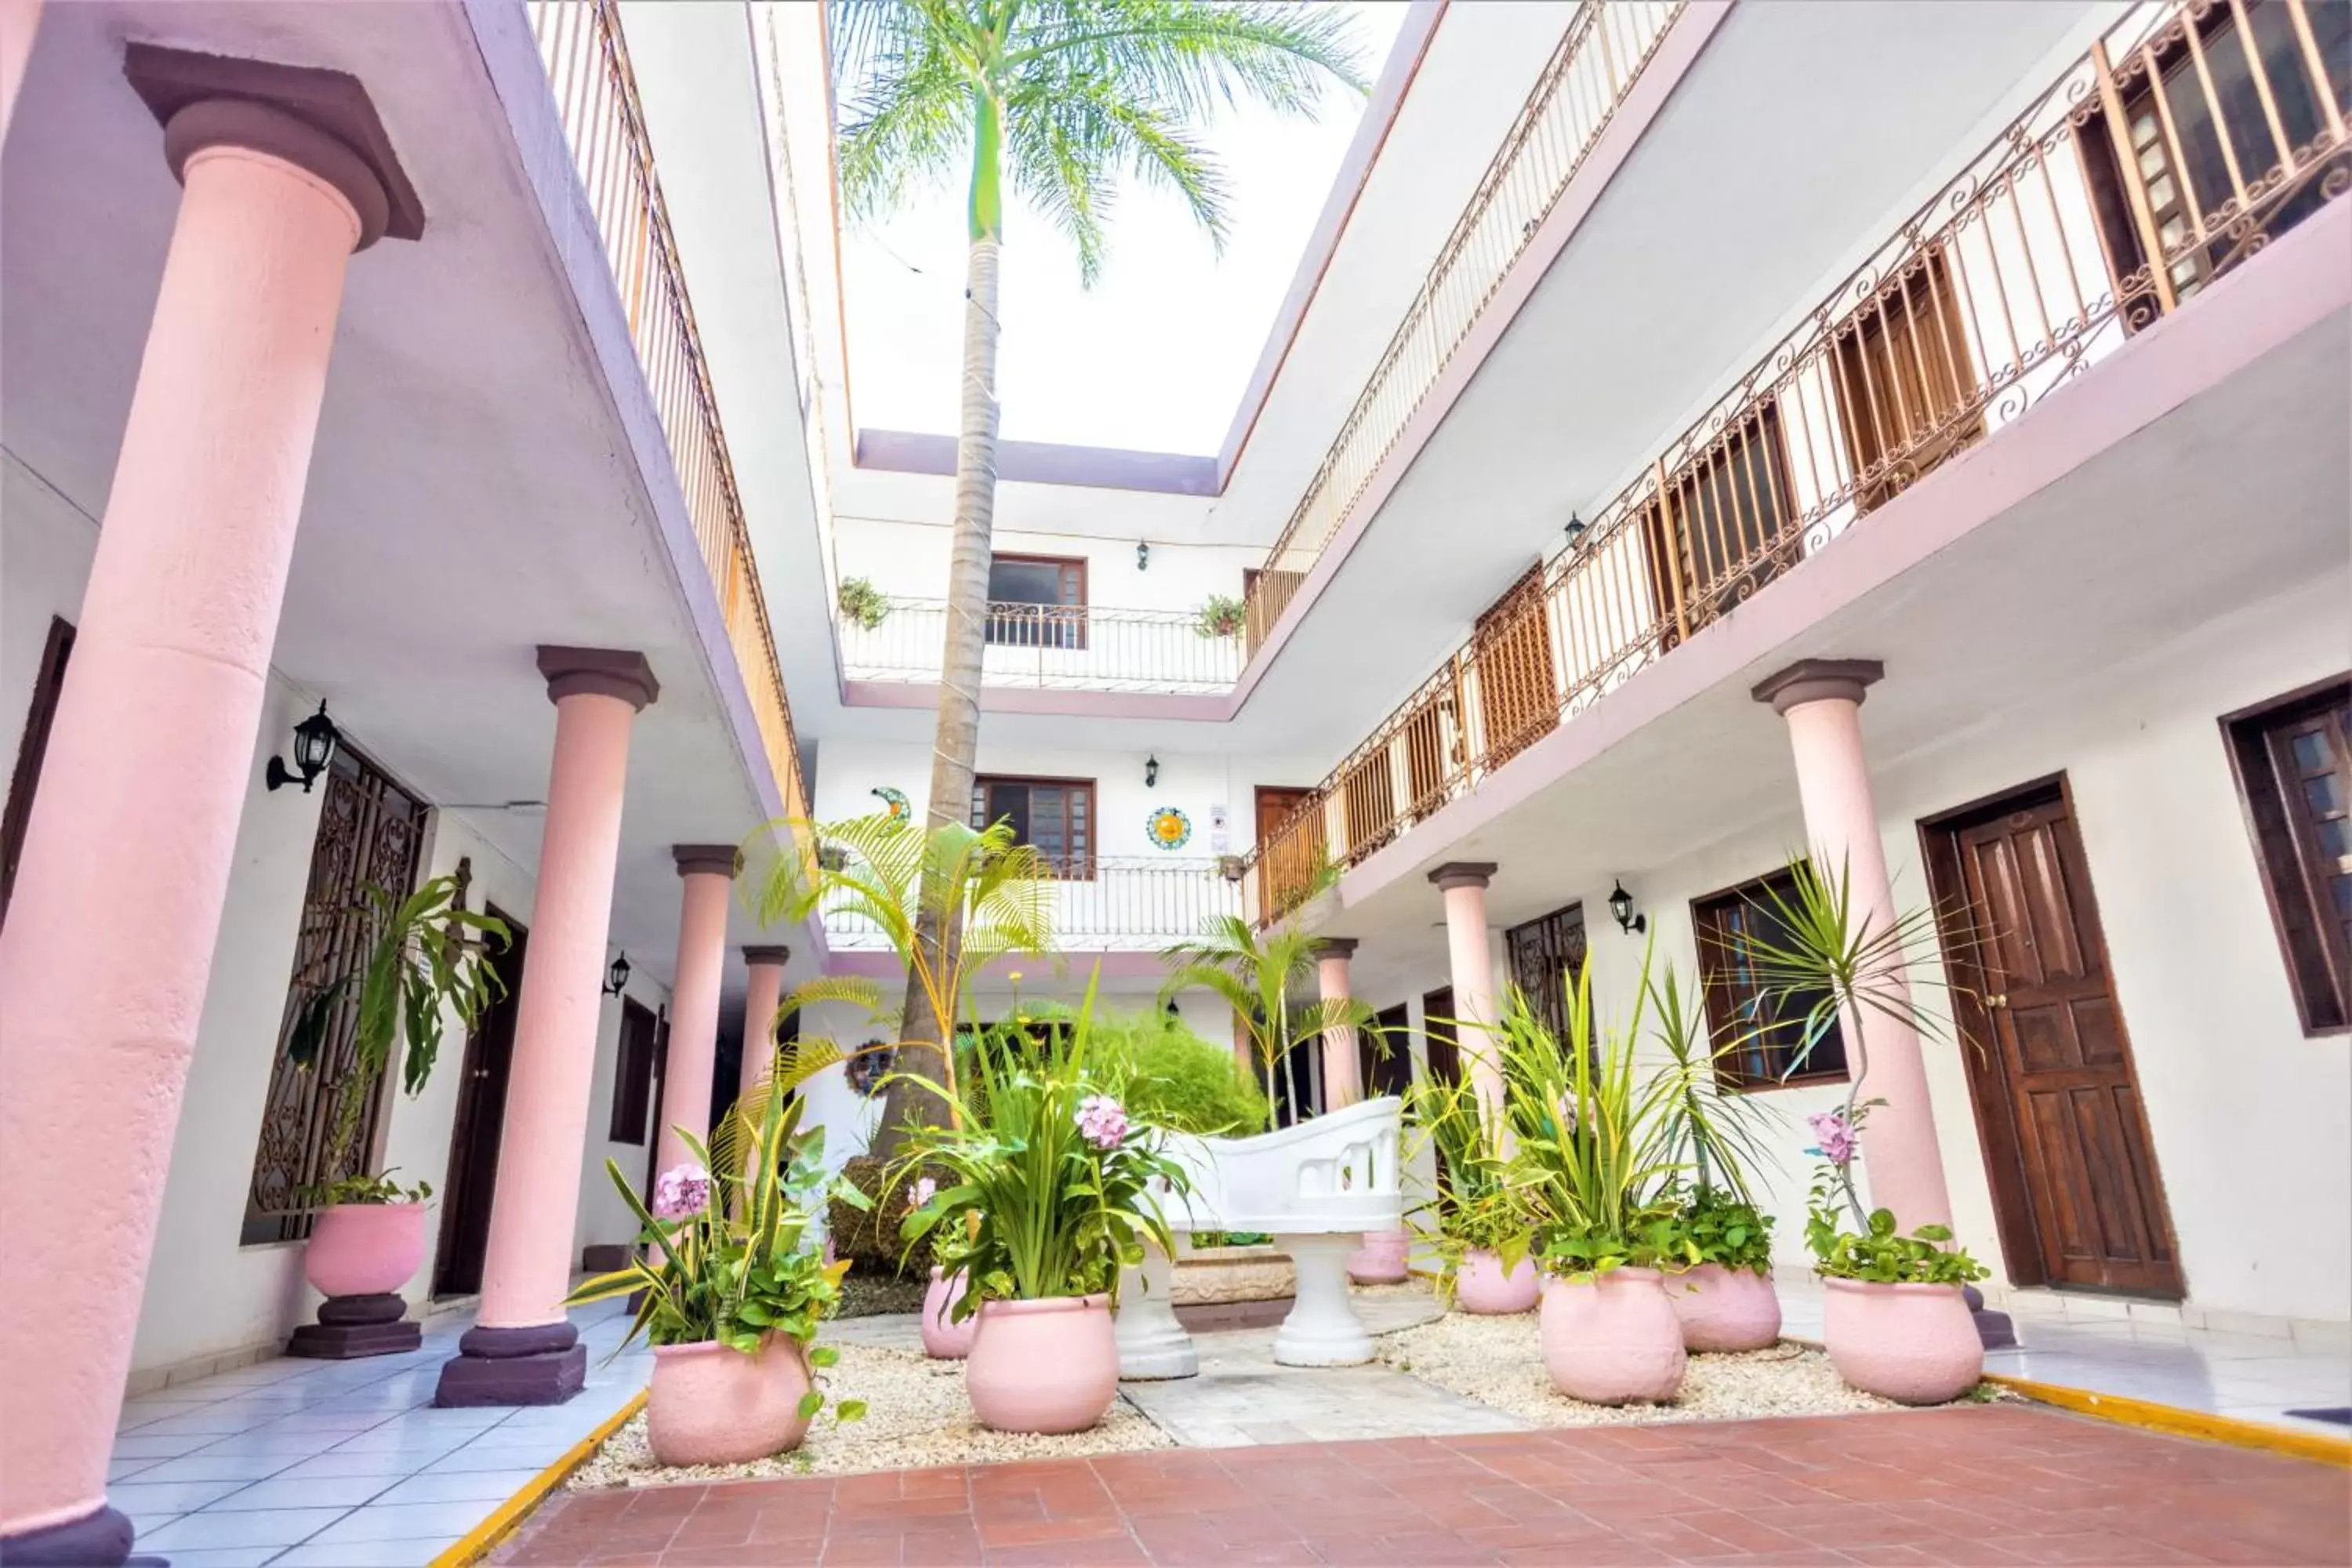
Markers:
{"x": 1052, "y": 1183}
{"x": 1896, "y": 1320}
{"x": 1589, "y": 1147}
{"x": 732, "y": 1287}
{"x": 1476, "y": 1220}
{"x": 427, "y": 959}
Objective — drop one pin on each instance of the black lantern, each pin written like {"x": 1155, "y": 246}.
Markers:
{"x": 314, "y": 748}
{"x": 1620, "y": 904}
{"x": 1575, "y": 531}
{"x": 1151, "y": 773}
{"x": 617, "y": 979}
{"x": 1142, "y": 556}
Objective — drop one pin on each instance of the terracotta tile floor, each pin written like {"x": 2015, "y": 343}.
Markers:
{"x": 1999, "y": 1484}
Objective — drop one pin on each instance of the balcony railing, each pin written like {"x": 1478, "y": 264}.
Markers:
{"x": 1601, "y": 53}
{"x": 1077, "y": 647}
{"x": 1106, "y": 905}
{"x": 587, "y": 66}
{"x": 2169, "y": 154}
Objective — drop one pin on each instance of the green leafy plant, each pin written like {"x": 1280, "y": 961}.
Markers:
{"x": 1726, "y": 1230}
{"x": 427, "y": 959}
{"x": 860, "y": 601}
{"x": 1222, "y": 615}
{"x": 368, "y": 1189}
{"x": 1710, "y": 1136}
{"x": 732, "y": 1256}
{"x": 1263, "y": 977}
{"x": 1475, "y": 1207}
{"x": 1878, "y": 1255}
{"x": 1049, "y": 1178}
{"x": 1203, "y": 1240}
{"x": 1168, "y": 1077}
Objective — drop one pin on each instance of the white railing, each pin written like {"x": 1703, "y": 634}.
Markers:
{"x": 1074, "y": 647}
{"x": 1115, "y": 904}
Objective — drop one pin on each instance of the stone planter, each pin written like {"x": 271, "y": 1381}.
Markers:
{"x": 359, "y": 1256}
{"x": 1381, "y": 1260}
{"x": 709, "y": 1404}
{"x": 944, "y": 1339}
{"x": 1724, "y": 1309}
{"x": 1916, "y": 1345}
{"x": 1213, "y": 1274}
{"x": 1612, "y": 1340}
{"x": 1480, "y": 1285}
{"x": 1046, "y": 1366}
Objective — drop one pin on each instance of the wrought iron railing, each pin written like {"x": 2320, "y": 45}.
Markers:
{"x": 587, "y": 62}
{"x": 1079, "y": 647}
{"x": 1600, "y": 54}
{"x": 2168, "y": 155}
{"x": 1103, "y": 904}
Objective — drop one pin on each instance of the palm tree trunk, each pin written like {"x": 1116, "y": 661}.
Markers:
{"x": 955, "y": 747}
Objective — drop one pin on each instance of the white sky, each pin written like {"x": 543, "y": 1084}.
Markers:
{"x": 1157, "y": 354}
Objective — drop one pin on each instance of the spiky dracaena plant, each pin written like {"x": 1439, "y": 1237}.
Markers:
{"x": 1265, "y": 978}
{"x": 1059, "y": 99}
{"x": 914, "y": 886}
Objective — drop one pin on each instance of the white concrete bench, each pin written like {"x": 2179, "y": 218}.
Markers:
{"x": 1317, "y": 1188}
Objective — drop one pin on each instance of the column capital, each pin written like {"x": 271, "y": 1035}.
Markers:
{"x": 598, "y": 671}
{"x": 1463, "y": 874}
{"x": 1816, "y": 680}
{"x": 693, "y": 858}
{"x": 776, "y": 957}
{"x": 321, "y": 120}
{"x": 1339, "y": 947}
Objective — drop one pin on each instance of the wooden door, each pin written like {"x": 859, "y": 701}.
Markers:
{"x": 1288, "y": 860}
{"x": 481, "y": 1120}
{"x": 1390, "y": 1073}
{"x": 2077, "y": 1193}
{"x": 1437, "y": 1035}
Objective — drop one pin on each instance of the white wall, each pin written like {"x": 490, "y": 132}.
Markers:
{"x": 909, "y": 558}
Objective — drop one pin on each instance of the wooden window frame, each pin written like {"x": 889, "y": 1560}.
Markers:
{"x": 48, "y": 685}
{"x": 2318, "y": 975}
{"x": 1064, "y": 630}
{"x": 1726, "y": 1003}
{"x": 1078, "y": 868}
{"x": 633, "y": 1077}
{"x": 1918, "y": 309}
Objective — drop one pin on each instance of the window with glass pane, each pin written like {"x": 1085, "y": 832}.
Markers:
{"x": 1053, "y": 816}
{"x": 2293, "y": 761}
{"x": 1760, "y": 1031}
{"x": 1036, "y": 601}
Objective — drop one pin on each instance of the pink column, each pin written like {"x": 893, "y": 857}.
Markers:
{"x": 765, "y": 967}
{"x": 1463, "y": 883}
{"x": 19, "y": 20}
{"x": 1343, "y": 1080}
{"x": 521, "y": 1349}
{"x": 705, "y": 869}
{"x": 149, "y": 766}
{"x": 1821, "y": 701}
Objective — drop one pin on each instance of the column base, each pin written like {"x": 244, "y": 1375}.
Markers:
{"x": 543, "y": 1364}
{"x": 350, "y": 1327}
{"x": 1994, "y": 1330}
{"x": 1151, "y": 1343}
{"x": 1322, "y": 1329}
{"x": 99, "y": 1540}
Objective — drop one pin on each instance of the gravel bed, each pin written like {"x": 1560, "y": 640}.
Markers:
{"x": 917, "y": 1415}
{"x": 1498, "y": 1361}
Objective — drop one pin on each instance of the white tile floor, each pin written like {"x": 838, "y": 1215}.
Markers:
{"x": 317, "y": 1462}
{"x": 2246, "y": 1377}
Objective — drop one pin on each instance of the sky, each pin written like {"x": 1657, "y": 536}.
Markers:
{"x": 1155, "y": 357}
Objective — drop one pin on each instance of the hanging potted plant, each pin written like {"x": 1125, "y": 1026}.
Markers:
{"x": 862, "y": 604}
{"x": 1896, "y": 1319}
{"x": 1476, "y": 1221}
{"x": 732, "y": 1287}
{"x": 1222, "y": 616}
{"x": 427, "y": 959}
{"x": 1052, "y": 1184}
{"x": 1589, "y": 1147}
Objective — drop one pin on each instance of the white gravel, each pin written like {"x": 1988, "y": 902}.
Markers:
{"x": 1498, "y": 1361}
{"x": 917, "y": 1415}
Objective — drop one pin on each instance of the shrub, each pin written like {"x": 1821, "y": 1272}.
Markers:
{"x": 1174, "y": 1078}
{"x": 870, "y": 1237}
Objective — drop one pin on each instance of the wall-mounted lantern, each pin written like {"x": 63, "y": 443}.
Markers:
{"x": 314, "y": 748}
{"x": 1142, "y": 556}
{"x": 1620, "y": 904}
{"x": 1151, "y": 773}
{"x": 617, "y": 979}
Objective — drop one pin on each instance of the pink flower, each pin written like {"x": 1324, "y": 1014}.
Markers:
{"x": 924, "y": 1190}
{"x": 1102, "y": 1122}
{"x": 682, "y": 1191}
{"x": 1836, "y": 1136}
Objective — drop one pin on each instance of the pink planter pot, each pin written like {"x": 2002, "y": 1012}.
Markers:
{"x": 364, "y": 1249}
{"x": 1381, "y": 1259}
{"x": 1480, "y": 1285}
{"x": 1916, "y": 1345}
{"x": 1043, "y": 1366}
{"x": 943, "y": 1339}
{"x": 712, "y": 1405}
{"x": 1613, "y": 1340}
{"x": 1724, "y": 1309}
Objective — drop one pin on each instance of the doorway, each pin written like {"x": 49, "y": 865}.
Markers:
{"x": 1288, "y": 862}
{"x": 2076, "y": 1192}
{"x": 481, "y": 1122}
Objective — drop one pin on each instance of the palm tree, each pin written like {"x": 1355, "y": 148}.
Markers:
{"x": 1259, "y": 975}
{"x": 1062, "y": 96}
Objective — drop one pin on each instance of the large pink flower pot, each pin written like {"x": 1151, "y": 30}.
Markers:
{"x": 1043, "y": 1366}
{"x": 1726, "y": 1308}
{"x": 710, "y": 1404}
{"x": 1916, "y": 1345}
{"x": 1381, "y": 1259}
{"x": 1612, "y": 1340}
{"x": 943, "y": 1339}
{"x": 364, "y": 1249}
{"x": 1480, "y": 1285}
